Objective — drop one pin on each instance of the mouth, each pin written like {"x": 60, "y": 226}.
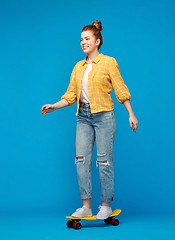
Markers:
{"x": 85, "y": 47}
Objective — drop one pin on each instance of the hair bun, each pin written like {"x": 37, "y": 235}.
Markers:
{"x": 97, "y": 24}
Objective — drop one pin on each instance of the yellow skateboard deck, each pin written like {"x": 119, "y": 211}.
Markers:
{"x": 75, "y": 222}
{"x": 114, "y": 213}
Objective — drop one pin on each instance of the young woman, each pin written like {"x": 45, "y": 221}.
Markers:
{"x": 91, "y": 83}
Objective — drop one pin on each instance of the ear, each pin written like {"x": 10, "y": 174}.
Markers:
{"x": 98, "y": 42}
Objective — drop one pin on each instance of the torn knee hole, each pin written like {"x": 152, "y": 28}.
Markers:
{"x": 104, "y": 163}
{"x": 79, "y": 159}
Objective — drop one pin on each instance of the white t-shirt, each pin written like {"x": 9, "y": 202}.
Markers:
{"x": 84, "y": 91}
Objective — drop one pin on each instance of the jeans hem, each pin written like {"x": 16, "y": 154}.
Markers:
{"x": 107, "y": 199}
{"x": 86, "y": 196}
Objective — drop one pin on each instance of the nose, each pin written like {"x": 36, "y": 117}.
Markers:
{"x": 83, "y": 41}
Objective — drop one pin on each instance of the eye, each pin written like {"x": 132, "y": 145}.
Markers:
{"x": 85, "y": 39}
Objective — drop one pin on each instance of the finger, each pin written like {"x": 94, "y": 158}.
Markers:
{"x": 131, "y": 125}
{"x": 135, "y": 126}
{"x": 45, "y": 106}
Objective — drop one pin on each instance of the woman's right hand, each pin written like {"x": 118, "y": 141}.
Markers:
{"x": 47, "y": 108}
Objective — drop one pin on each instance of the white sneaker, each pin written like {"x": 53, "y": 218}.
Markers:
{"x": 82, "y": 212}
{"x": 104, "y": 212}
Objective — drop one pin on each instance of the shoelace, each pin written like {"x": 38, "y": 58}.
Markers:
{"x": 79, "y": 209}
{"x": 100, "y": 207}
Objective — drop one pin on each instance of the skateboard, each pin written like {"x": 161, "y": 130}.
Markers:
{"x": 74, "y": 222}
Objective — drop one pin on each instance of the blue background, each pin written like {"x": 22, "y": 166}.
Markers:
{"x": 39, "y": 46}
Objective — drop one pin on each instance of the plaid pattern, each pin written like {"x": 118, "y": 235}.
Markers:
{"x": 104, "y": 76}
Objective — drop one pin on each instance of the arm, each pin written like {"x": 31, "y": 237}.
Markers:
{"x": 52, "y": 107}
{"x": 60, "y": 104}
{"x": 128, "y": 107}
{"x": 132, "y": 118}
{"x": 122, "y": 93}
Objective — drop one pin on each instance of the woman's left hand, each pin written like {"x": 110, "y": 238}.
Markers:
{"x": 133, "y": 120}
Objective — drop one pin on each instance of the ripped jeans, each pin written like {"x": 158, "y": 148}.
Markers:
{"x": 102, "y": 127}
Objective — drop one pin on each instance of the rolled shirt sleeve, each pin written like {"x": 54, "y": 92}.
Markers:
{"x": 121, "y": 91}
{"x": 70, "y": 95}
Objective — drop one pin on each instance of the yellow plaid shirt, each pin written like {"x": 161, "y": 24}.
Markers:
{"x": 104, "y": 76}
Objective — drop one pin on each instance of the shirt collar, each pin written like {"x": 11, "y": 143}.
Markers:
{"x": 96, "y": 60}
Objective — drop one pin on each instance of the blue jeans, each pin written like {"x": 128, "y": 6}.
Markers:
{"x": 102, "y": 127}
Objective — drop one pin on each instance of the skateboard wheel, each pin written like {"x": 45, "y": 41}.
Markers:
{"x": 77, "y": 225}
{"x": 107, "y": 220}
{"x": 115, "y": 222}
{"x": 70, "y": 224}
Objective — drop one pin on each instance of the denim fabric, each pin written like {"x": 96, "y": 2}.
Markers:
{"x": 102, "y": 127}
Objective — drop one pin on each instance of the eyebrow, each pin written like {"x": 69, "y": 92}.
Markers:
{"x": 85, "y": 37}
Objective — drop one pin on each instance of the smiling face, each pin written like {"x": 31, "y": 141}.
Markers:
{"x": 89, "y": 43}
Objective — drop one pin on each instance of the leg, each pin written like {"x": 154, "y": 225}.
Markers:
{"x": 84, "y": 148}
{"x": 106, "y": 204}
{"x": 87, "y": 202}
{"x": 105, "y": 129}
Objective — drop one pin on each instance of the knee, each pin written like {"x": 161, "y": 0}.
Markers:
{"x": 102, "y": 159}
